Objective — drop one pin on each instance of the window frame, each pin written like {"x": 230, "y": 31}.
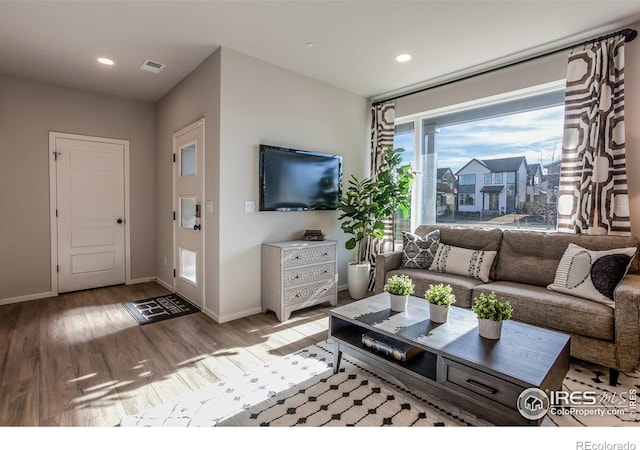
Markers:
{"x": 427, "y": 123}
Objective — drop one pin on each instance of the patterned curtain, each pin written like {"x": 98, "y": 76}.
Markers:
{"x": 382, "y": 132}
{"x": 592, "y": 196}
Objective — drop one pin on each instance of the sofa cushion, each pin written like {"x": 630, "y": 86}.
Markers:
{"x": 591, "y": 274}
{"x": 476, "y": 238}
{"x": 532, "y": 257}
{"x": 544, "y": 308}
{"x": 461, "y": 286}
{"x": 463, "y": 261}
{"x": 418, "y": 251}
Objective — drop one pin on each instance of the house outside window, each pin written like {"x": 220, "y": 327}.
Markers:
{"x": 487, "y": 178}
{"x": 499, "y": 178}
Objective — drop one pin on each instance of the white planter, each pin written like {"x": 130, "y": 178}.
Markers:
{"x": 398, "y": 302}
{"x": 358, "y": 279}
{"x": 438, "y": 313}
{"x": 489, "y": 329}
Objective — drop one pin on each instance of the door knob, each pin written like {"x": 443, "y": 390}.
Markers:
{"x": 119, "y": 220}
{"x": 196, "y": 227}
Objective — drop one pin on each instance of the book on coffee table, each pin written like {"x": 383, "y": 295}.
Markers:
{"x": 398, "y": 350}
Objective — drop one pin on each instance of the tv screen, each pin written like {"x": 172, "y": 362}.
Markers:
{"x": 298, "y": 180}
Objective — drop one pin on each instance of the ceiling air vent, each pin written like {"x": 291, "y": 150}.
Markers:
{"x": 152, "y": 66}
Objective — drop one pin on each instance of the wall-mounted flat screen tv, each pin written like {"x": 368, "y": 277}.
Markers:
{"x": 298, "y": 180}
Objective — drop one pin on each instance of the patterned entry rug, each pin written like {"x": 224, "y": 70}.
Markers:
{"x": 155, "y": 309}
{"x": 301, "y": 390}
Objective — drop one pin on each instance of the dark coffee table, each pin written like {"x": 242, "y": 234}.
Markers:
{"x": 483, "y": 376}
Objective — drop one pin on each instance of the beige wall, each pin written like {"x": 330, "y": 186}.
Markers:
{"x": 195, "y": 97}
{"x": 262, "y": 103}
{"x": 523, "y": 76}
{"x": 539, "y": 72}
{"x": 246, "y": 102}
{"x": 28, "y": 111}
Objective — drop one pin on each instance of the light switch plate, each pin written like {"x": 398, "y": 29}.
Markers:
{"x": 209, "y": 206}
{"x": 249, "y": 206}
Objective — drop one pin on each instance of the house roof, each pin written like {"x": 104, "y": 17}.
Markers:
{"x": 534, "y": 168}
{"x": 505, "y": 164}
{"x": 469, "y": 163}
{"x": 553, "y": 167}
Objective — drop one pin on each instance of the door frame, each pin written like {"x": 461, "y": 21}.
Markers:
{"x": 53, "y": 202}
{"x": 192, "y": 126}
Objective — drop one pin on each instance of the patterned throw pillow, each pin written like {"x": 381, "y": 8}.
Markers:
{"x": 591, "y": 274}
{"x": 417, "y": 251}
{"x": 463, "y": 261}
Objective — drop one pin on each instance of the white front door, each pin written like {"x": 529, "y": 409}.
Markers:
{"x": 90, "y": 210}
{"x": 188, "y": 150}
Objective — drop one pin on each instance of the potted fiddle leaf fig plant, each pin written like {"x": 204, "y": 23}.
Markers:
{"x": 399, "y": 287}
{"x": 363, "y": 206}
{"x": 359, "y": 212}
{"x": 440, "y": 298}
{"x": 491, "y": 311}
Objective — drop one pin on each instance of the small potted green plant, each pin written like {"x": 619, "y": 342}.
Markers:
{"x": 440, "y": 298}
{"x": 491, "y": 311}
{"x": 399, "y": 287}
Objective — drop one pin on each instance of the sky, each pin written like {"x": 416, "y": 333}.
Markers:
{"x": 535, "y": 134}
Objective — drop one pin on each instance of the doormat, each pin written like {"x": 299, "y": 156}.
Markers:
{"x": 155, "y": 309}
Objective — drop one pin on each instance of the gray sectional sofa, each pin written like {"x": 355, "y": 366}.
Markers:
{"x": 525, "y": 264}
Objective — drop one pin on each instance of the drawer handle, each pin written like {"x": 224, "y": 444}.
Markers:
{"x": 483, "y": 387}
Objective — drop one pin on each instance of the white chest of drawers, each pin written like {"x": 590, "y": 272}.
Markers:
{"x": 298, "y": 274}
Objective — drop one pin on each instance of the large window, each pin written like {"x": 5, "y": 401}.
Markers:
{"x": 492, "y": 155}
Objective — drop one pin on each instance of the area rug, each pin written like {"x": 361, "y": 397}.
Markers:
{"x": 155, "y": 309}
{"x": 300, "y": 390}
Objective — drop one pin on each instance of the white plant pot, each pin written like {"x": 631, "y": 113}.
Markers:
{"x": 438, "y": 313}
{"x": 358, "y": 279}
{"x": 489, "y": 329}
{"x": 398, "y": 302}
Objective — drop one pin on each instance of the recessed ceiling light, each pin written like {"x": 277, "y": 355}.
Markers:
{"x": 105, "y": 61}
{"x": 310, "y": 44}
{"x": 403, "y": 58}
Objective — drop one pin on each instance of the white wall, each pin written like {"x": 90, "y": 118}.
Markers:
{"x": 28, "y": 111}
{"x": 246, "y": 102}
{"x": 262, "y": 103}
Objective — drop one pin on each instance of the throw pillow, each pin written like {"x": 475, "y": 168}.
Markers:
{"x": 418, "y": 251}
{"x": 591, "y": 274}
{"x": 463, "y": 261}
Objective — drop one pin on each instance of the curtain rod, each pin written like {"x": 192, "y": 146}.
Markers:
{"x": 628, "y": 33}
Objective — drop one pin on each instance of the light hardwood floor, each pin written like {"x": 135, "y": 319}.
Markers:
{"x": 80, "y": 359}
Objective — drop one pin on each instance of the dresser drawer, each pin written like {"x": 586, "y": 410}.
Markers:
{"x": 309, "y": 274}
{"x": 482, "y": 384}
{"x": 312, "y": 255}
{"x": 309, "y": 292}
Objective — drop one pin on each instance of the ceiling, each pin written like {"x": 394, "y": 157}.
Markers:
{"x": 355, "y": 42}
